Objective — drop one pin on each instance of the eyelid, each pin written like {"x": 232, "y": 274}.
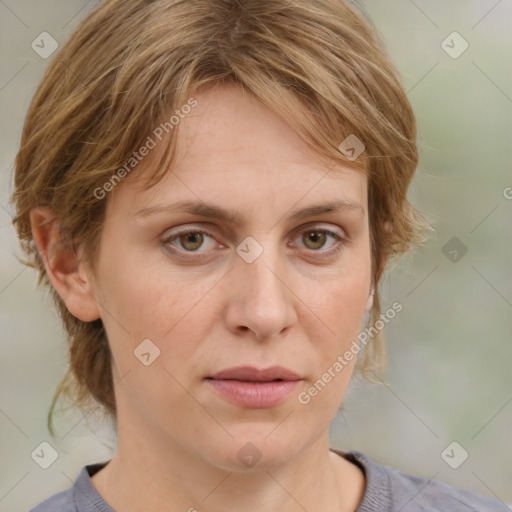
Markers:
{"x": 334, "y": 231}
{"x": 342, "y": 239}
{"x": 184, "y": 231}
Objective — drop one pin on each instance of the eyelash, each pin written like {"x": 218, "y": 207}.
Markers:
{"x": 197, "y": 231}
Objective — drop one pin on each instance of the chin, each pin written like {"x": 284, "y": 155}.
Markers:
{"x": 251, "y": 451}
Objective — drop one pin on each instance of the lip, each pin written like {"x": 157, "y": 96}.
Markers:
{"x": 250, "y": 373}
{"x": 255, "y": 388}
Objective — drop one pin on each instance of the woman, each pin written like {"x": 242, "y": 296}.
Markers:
{"x": 211, "y": 190}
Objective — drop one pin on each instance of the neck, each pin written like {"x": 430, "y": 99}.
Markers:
{"x": 143, "y": 476}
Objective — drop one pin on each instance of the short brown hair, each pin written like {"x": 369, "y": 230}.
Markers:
{"x": 318, "y": 63}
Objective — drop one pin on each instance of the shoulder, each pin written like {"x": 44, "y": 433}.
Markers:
{"x": 390, "y": 490}
{"x": 60, "y": 502}
{"x": 422, "y": 493}
{"x": 80, "y": 497}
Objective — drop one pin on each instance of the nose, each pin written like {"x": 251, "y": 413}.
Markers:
{"x": 261, "y": 298}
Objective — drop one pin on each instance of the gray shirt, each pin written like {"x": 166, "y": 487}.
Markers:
{"x": 387, "y": 490}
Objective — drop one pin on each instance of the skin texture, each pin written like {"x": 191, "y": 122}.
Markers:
{"x": 208, "y": 310}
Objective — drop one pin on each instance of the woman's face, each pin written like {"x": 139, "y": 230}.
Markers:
{"x": 269, "y": 289}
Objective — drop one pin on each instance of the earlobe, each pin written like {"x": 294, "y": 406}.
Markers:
{"x": 67, "y": 273}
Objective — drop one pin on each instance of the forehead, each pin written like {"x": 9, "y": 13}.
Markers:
{"x": 232, "y": 149}
{"x": 231, "y": 122}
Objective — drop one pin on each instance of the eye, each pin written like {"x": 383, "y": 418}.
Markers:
{"x": 316, "y": 238}
{"x": 193, "y": 239}
{"x": 190, "y": 239}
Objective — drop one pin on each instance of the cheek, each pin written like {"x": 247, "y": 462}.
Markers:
{"x": 341, "y": 301}
{"x": 134, "y": 290}
{"x": 145, "y": 299}
{"x": 339, "y": 312}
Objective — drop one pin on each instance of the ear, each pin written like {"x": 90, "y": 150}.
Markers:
{"x": 70, "y": 277}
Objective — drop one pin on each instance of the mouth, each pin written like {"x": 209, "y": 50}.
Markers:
{"x": 251, "y": 374}
{"x": 254, "y": 388}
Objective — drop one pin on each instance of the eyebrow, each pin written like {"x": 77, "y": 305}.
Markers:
{"x": 214, "y": 211}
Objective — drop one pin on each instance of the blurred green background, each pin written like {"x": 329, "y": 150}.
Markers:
{"x": 449, "y": 375}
